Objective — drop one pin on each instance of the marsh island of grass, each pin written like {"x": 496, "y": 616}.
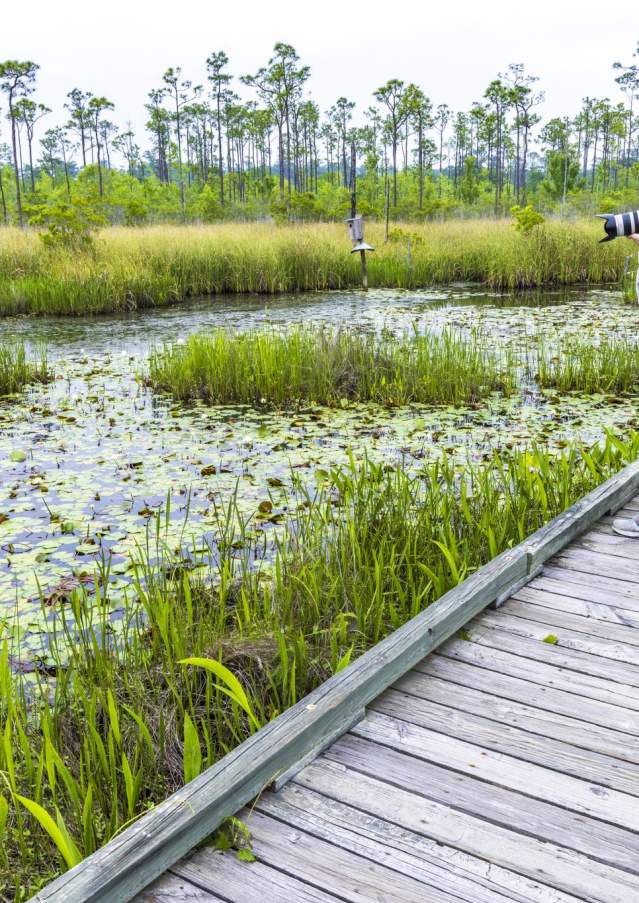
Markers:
{"x": 324, "y": 366}
{"x": 18, "y": 368}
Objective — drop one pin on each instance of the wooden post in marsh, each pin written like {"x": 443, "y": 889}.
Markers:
{"x": 386, "y": 207}
{"x": 356, "y": 223}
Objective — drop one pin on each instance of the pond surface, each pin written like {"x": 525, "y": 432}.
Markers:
{"x": 102, "y": 454}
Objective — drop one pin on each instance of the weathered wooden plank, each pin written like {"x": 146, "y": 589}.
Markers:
{"x": 611, "y": 743}
{"x": 547, "y": 752}
{"x": 610, "y": 496}
{"x": 569, "y": 639}
{"x": 502, "y": 769}
{"x": 452, "y": 868}
{"x": 576, "y": 672}
{"x": 550, "y": 863}
{"x": 496, "y": 805}
{"x": 137, "y": 856}
{"x": 332, "y": 868}
{"x": 320, "y": 817}
{"x": 609, "y": 544}
{"x": 241, "y": 882}
{"x": 598, "y": 611}
{"x": 590, "y": 711}
{"x": 173, "y": 889}
{"x": 626, "y": 637}
{"x": 600, "y": 564}
{"x": 580, "y": 583}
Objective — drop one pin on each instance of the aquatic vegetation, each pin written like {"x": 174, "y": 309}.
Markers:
{"x": 17, "y": 369}
{"x": 607, "y": 364}
{"x": 310, "y": 365}
{"x": 101, "y": 453}
{"x": 110, "y": 723}
{"x": 129, "y": 268}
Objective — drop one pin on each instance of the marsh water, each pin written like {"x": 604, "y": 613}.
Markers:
{"x": 88, "y": 461}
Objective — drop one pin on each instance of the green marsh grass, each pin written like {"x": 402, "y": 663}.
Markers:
{"x": 123, "y": 722}
{"x": 607, "y": 365}
{"x": 17, "y": 370}
{"x": 320, "y": 365}
{"x": 128, "y": 268}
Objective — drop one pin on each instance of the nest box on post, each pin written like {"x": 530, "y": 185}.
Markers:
{"x": 356, "y": 234}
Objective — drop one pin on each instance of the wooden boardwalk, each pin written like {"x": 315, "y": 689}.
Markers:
{"x": 502, "y": 766}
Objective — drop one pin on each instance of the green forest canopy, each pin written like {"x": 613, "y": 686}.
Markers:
{"x": 210, "y": 154}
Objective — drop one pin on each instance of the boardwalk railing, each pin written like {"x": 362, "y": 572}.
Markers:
{"x": 131, "y": 861}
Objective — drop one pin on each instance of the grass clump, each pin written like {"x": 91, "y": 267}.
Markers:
{"x": 127, "y": 720}
{"x": 328, "y": 366}
{"x": 128, "y": 268}
{"x": 609, "y": 365}
{"x": 17, "y": 370}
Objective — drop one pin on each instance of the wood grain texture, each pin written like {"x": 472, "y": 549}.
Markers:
{"x": 620, "y": 633}
{"x": 458, "y": 871}
{"x": 579, "y": 583}
{"x": 589, "y": 711}
{"x": 502, "y": 770}
{"x": 505, "y": 652}
{"x": 173, "y": 889}
{"x": 568, "y": 728}
{"x": 495, "y": 805}
{"x": 539, "y": 628}
{"x": 599, "y": 564}
{"x": 320, "y": 817}
{"x": 246, "y": 882}
{"x": 546, "y": 751}
{"x": 626, "y": 615}
{"x": 545, "y": 861}
{"x": 334, "y": 869}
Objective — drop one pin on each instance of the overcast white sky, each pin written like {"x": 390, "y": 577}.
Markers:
{"x": 452, "y": 49}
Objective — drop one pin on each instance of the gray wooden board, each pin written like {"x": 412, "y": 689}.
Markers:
{"x": 244, "y": 882}
{"x": 525, "y": 815}
{"x": 316, "y": 816}
{"x": 579, "y": 583}
{"x": 545, "y": 861}
{"x": 609, "y": 544}
{"x": 626, "y": 636}
{"x": 598, "y": 611}
{"x": 577, "y": 672}
{"x": 588, "y": 562}
{"x": 568, "y": 638}
{"x": 315, "y": 812}
{"x": 173, "y": 889}
{"x": 540, "y": 750}
{"x": 503, "y": 770}
{"x": 328, "y": 867}
{"x": 611, "y": 743}
{"x": 590, "y": 711}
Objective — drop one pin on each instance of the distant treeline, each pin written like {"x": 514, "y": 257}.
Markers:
{"x": 211, "y": 154}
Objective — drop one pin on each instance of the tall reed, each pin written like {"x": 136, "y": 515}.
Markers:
{"x": 110, "y": 722}
{"x": 129, "y": 268}
{"x": 610, "y": 364}
{"x": 326, "y": 366}
{"x": 17, "y": 369}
